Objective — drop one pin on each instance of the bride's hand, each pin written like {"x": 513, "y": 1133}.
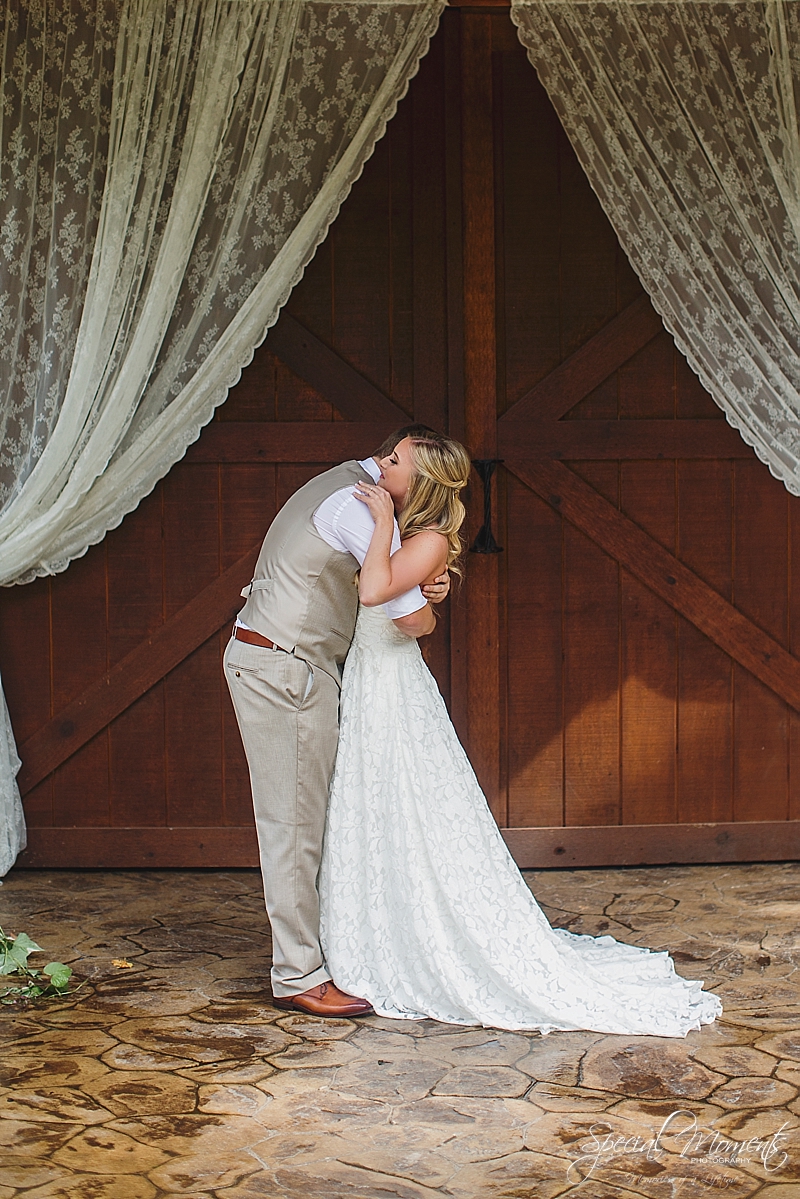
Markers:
{"x": 379, "y": 502}
{"x": 438, "y": 590}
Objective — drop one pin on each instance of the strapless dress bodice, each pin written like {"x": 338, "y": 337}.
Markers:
{"x": 376, "y": 631}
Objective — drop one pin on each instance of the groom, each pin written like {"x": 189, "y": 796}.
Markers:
{"x": 283, "y": 666}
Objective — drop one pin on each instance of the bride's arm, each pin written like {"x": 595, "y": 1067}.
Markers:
{"x": 418, "y": 624}
{"x": 384, "y": 576}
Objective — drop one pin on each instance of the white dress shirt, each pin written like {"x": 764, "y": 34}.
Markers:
{"x": 346, "y": 524}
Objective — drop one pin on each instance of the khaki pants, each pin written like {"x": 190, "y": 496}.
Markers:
{"x": 288, "y": 716}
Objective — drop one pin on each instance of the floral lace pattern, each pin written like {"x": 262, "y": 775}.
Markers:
{"x": 423, "y": 910}
{"x": 55, "y": 84}
{"x": 684, "y": 116}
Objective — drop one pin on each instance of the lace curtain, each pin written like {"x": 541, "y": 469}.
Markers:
{"x": 167, "y": 171}
{"x": 683, "y": 114}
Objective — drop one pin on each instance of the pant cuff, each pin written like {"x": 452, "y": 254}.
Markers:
{"x": 286, "y": 990}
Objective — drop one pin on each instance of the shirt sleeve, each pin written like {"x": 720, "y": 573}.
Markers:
{"x": 352, "y": 525}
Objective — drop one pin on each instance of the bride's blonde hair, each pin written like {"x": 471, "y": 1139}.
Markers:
{"x": 440, "y": 471}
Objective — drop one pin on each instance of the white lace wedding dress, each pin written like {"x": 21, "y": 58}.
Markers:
{"x": 424, "y": 912}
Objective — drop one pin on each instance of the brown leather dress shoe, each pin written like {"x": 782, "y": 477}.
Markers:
{"x": 325, "y": 1000}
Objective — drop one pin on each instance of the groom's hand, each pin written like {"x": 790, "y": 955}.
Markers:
{"x": 438, "y": 590}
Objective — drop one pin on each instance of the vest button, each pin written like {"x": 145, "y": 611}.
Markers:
{"x": 238, "y": 674}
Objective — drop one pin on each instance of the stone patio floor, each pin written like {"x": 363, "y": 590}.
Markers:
{"x": 175, "y": 1076}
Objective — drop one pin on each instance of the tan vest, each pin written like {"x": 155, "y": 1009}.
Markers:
{"x": 304, "y": 594}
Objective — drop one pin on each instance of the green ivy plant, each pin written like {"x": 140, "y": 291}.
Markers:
{"x": 51, "y": 982}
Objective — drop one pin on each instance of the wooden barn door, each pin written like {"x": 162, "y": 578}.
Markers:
{"x": 641, "y": 648}
{"x": 621, "y": 673}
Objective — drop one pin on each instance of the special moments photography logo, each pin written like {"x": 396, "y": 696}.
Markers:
{"x": 680, "y": 1139}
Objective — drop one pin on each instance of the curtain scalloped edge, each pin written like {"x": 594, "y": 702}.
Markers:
{"x": 57, "y": 565}
{"x": 790, "y": 479}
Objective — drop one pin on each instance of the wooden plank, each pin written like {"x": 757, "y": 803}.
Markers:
{"x": 287, "y": 441}
{"x": 484, "y": 717}
{"x": 38, "y": 804}
{"x": 587, "y": 251}
{"x": 429, "y": 241}
{"x": 362, "y": 276}
{"x": 135, "y": 674}
{"x": 79, "y": 638}
{"x": 498, "y": 175}
{"x": 794, "y": 645}
{"x": 596, "y": 440}
{"x": 655, "y": 844}
{"x": 501, "y": 35}
{"x": 601, "y": 404}
{"x": 648, "y": 703}
{"x": 761, "y": 727}
{"x": 532, "y": 848}
{"x": 454, "y": 341}
{"x": 346, "y": 388}
{"x": 296, "y": 399}
{"x": 400, "y": 292}
{"x": 531, "y": 226}
{"x": 665, "y": 575}
{"x": 325, "y": 441}
{"x": 253, "y": 398}
{"x": 454, "y": 221}
{"x": 648, "y": 636}
{"x": 136, "y": 779}
{"x": 591, "y": 673}
{"x": 192, "y": 724}
{"x": 247, "y": 505}
{"x": 588, "y": 366}
{"x": 535, "y": 683}
{"x": 692, "y": 401}
{"x": 705, "y": 673}
{"x": 193, "y": 735}
{"x": 311, "y": 301}
{"x": 648, "y": 626}
{"x": 479, "y": 234}
{"x": 591, "y": 655}
{"x": 138, "y": 848}
{"x": 647, "y": 382}
{"x": 25, "y": 654}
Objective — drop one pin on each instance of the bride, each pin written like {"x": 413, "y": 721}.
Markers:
{"x": 423, "y": 910}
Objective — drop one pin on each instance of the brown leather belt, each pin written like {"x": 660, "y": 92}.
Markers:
{"x": 252, "y": 638}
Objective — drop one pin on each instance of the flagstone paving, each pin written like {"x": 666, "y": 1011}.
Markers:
{"x": 175, "y": 1075}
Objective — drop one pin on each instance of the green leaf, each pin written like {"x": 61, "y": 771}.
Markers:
{"x": 58, "y": 973}
{"x": 15, "y": 953}
{"x": 23, "y": 942}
